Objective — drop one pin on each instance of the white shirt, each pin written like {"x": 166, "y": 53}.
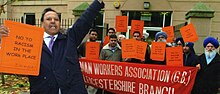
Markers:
{"x": 100, "y": 1}
{"x": 47, "y": 38}
{"x": 209, "y": 59}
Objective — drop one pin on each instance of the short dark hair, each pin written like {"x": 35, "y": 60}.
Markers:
{"x": 45, "y": 11}
{"x": 92, "y": 30}
{"x": 112, "y": 36}
{"x": 111, "y": 29}
{"x": 136, "y": 32}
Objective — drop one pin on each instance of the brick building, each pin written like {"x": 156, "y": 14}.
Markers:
{"x": 205, "y": 14}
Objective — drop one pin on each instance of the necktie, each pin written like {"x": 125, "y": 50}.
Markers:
{"x": 51, "y": 42}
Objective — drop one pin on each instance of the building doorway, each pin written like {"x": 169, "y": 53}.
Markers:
{"x": 153, "y": 21}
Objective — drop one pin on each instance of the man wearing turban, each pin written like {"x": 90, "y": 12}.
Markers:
{"x": 208, "y": 77}
{"x": 160, "y": 37}
{"x": 189, "y": 55}
{"x": 179, "y": 41}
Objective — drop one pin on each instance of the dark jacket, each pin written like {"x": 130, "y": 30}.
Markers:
{"x": 190, "y": 59}
{"x": 82, "y": 49}
{"x": 61, "y": 69}
{"x": 207, "y": 79}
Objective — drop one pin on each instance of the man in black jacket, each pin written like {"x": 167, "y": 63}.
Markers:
{"x": 208, "y": 76}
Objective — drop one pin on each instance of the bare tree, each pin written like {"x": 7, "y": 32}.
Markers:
{"x": 2, "y": 6}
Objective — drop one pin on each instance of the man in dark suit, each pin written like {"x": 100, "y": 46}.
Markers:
{"x": 60, "y": 72}
{"x": 208, "y": 77}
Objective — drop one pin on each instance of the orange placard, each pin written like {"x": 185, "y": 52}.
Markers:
{"x": 121, "y": 23}
{"x": 174, "y": 56}
{"x": 21, "y": 51}
{"x": 128, "y": 48}
{"x": 188, "y": 33}
{"x": 92, "y": 50}
{"x": 133, "y": 49}
{"x": 170, "y": 33}
{"x": 137, "y": 25}
{"x": 106, "y": 41}
{"x": 141, "y": 48}
{"x": 158, "y": 51}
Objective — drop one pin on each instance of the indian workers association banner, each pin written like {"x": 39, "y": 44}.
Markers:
{"x": 122, "y": 77}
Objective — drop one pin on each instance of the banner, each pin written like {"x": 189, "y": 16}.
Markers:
{"x": 21, "y": 50}
{"x": 122, "y": 77}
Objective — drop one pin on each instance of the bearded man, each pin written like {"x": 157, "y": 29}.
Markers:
{"x": 161, "y": 37}
{"x": 208, "y": 77}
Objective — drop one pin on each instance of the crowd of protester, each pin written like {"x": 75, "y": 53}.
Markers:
{"x": 208, "y": 77}
{"x": 60, "y": 71}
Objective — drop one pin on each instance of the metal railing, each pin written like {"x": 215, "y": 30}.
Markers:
{"x": 65, "y": 23}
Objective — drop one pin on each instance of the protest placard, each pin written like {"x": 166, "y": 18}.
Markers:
{"x": 137, "y": 25}
{"x": 21, "y": 50}
{"x": 174, "y": 56}
{"x": 106, "y": 41}
{"x": 92, "y": 50}
{"x": 133, "y": 49}
{"x": 121, "y": 23}
{"x": 141, "y": 48}
{"x": 170, "y": 33}
{"x": 158, "y": 51}
{"x": 188, "y": 33}
{"x": 128, "y": 48}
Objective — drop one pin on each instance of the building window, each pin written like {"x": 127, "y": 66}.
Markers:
{"x": 153, "y": 21}
{"x": 99, "y": 25}
{"x": 29, "y": 18}
{"x": 59, "y": 15}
